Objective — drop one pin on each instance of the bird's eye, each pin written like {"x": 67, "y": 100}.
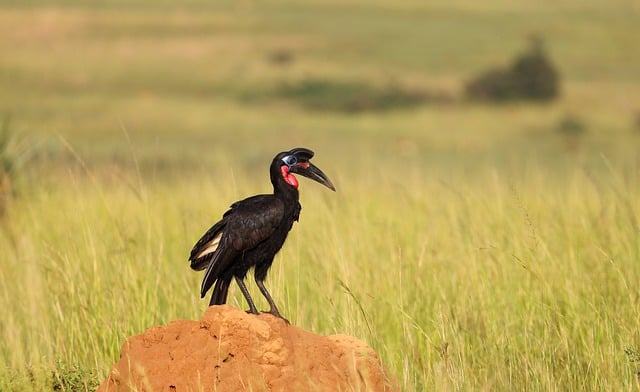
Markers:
{"x": 289, "y": 160}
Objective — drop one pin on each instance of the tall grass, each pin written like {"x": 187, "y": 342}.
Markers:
{"x": 484, "y": 283}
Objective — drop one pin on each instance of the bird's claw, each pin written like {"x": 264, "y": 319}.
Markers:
{"x": 278, "y": 315}
{"x": 275, "y": 314}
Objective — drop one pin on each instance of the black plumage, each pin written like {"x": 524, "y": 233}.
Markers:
{"x": 253, "y": 230}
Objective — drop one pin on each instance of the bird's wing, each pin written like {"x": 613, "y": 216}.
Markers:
{"x": 253, "y": 220}
{"x": 243, "y": 227}
{"x": 205, "y": 247}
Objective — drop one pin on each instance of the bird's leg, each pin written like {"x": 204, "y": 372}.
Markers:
{"x": 274, "y": 309}
{"x": 245, "y": 292}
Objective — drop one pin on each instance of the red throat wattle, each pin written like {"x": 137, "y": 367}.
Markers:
{"x": 288, "y": 177}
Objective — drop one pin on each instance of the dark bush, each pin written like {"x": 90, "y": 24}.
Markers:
{"x": 345, "y": 96}
{"x": 350, "y": 97}
{"x": 492, "y": 85}
{"x": 571, "y": 126}
{"x": 531, "y": 76}
{"x": 572, "y": 129}
{"x": 281, "y": 57}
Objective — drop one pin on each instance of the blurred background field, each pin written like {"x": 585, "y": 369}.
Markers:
{"x": 476, "y": 245}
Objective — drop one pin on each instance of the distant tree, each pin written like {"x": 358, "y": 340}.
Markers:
{"x": 531, "y": 76}
{"x": 535, "y": 76}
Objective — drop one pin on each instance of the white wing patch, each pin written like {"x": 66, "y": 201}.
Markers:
{"x": 210, "y": 246}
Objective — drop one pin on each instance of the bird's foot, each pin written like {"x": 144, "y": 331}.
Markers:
{"x": 278, "y": 315}
{"x": 252, "y": 311}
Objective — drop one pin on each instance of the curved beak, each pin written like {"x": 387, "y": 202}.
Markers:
{"x": 311, "y": 171}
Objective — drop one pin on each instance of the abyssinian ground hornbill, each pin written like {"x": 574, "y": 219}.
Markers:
{"x": 253, "y": 230}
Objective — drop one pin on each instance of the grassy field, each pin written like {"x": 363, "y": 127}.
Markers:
{"x": 474, "y": 246}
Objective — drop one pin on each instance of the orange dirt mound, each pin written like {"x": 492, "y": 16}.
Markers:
{"x": 230, "y": 350}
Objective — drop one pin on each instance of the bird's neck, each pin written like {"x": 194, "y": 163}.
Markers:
{"x": 281, "y": 188}
{"x": 286, "y": 192}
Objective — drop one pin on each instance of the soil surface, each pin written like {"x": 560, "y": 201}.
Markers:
{"x": 230, "y": 350}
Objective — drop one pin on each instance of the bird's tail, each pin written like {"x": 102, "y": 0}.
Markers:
{"x": 220, "y": 291}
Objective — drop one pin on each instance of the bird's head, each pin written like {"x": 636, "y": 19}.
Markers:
{"x": 298, "y": 161}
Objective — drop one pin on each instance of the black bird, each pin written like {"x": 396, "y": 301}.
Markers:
{"x": 253, "y": 230}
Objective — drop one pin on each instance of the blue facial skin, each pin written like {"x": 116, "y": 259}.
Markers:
{"x": 290, "y": 160}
